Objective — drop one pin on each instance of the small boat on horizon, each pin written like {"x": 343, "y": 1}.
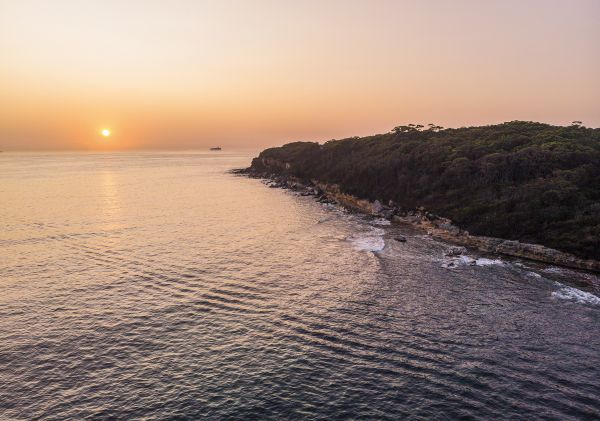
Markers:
{"x": 216, "y": 148}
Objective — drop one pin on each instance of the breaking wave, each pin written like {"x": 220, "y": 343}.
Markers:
{"x": 576, "y": 295}
{"x": 453, "y": 262}
{"x": 371, "y": 240}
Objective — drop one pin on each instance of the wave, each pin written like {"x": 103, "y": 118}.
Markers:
{"x": 380, "y": 221}
{"x": 574, "y": 294}
{"x": 371, "y": 240}
{"x": 534, "y": 275}
{"x": 463, "y": 260}
{"x": 482, "y": 261}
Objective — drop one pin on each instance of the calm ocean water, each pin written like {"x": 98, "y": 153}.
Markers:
{"x": 157, "y": 286}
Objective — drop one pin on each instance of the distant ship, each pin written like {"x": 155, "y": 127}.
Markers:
{"x": 218, "y": 148}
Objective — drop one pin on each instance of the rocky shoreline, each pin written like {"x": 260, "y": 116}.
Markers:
{"x": 434, "y": 225}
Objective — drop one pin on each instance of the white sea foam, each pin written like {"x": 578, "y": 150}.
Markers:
{"x": 482, "y": 261}
{"x": 574, "y": 294}
{"x": 380, "y": 221}
{"x": 368, "y": 243}
{"x": 371, "y": 240}
{"x": 556, "y": 269}
{"x": 465, "y": 260}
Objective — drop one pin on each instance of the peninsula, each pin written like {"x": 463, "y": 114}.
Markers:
{"x": 520, "y": 188}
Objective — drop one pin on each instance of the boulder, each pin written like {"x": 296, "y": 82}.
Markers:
{"x": 377, "y": 206}
{"x": 452, "y": 229}
{"x": 455, "y": 251}
{"x": 387, "y": 213}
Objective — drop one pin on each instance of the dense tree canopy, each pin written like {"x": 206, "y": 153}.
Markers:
{"x": 519, "y": 180}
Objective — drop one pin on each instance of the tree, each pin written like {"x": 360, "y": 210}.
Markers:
{"x": 518, "y": 180}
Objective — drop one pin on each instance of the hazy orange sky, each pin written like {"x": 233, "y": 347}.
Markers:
{"x": 193, "y": 74}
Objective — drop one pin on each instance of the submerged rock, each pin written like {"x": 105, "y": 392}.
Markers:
{"x": 387, "y": 213}
{"x": 455, "y": 251}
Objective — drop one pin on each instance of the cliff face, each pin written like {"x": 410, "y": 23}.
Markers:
{"x": 521, "y": 181}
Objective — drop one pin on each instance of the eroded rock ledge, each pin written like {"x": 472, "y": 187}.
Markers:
{"x": 436, "y": 226}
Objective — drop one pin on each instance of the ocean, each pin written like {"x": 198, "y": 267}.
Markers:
{"x": 157, "y": 285}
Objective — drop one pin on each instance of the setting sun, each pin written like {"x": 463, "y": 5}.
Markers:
{"x": 105, "y": 132}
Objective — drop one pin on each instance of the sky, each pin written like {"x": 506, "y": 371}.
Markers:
{"x": 182, "y": 74}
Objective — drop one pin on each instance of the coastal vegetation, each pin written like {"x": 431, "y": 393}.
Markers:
{"x": 519, "y": 180}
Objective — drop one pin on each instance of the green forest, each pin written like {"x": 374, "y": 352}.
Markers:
{"x": 519, "y": 180}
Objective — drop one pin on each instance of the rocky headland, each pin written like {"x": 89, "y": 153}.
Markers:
{"x": 520, "y": 188}
{"x": 434, "y": 225}
{"x": 280, "y": 174}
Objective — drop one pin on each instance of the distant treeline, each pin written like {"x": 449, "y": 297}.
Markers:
{"x": 519, "y": 180}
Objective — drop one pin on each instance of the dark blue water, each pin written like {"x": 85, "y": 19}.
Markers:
{"x": 157, "y": 286}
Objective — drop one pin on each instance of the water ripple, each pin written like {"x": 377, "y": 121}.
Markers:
{"x": 157, "y": 286}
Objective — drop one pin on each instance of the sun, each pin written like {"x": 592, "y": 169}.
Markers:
{"x": 105, "y": 132}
